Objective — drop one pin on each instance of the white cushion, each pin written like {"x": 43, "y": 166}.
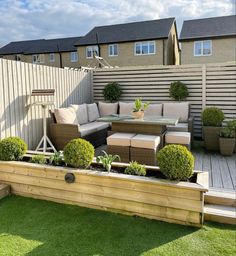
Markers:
{"x": 81, "y": 113}
{"x": 107, "y": 109}
{"x": 145, "y": 141}
{"x": 120, "y": 139}
{"x": 65, "y": 116}
{"x": 154, "y": 110}
{"x": 89, "y": 128}
{"x": 93, "y": 113}
{"x": 126, "y": 108}
{"x": 178, "y": 138}
{"x": 180, "y": 127}
{"x": 176, "y": 109}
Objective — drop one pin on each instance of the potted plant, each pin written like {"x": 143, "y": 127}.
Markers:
{"x": 212, "y": 119}
{"x": 178, "y": 91}
{"x": 112, "y": 92}
{"x": 232, "y": 126}
{"x": 139, "y": 108}
{"x": 226, "y": 141}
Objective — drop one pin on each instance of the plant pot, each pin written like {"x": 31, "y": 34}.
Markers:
{"x": 211, "y": 137}
{"x": 138, "y": 114}
{"x": 226, "y": 146}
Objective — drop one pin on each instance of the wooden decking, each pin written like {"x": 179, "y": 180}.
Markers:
{"x": 222, "y": 170}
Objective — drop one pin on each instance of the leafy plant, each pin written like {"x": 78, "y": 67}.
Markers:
{"x": 178, "y": 91}
{"x": 57, "y": 158}
{"x": 226, "y": 132}
{"x": 135, "y": 168}
{"x": 78, "y": 153}
{"x": 232, "y": 125}
{"x": 106, "y": 160}
{"x": 112, "y": 92}
{"x": 139, "y": 105}
{"x": 38, "y": 159}
{"x": 12, "y": 148}
{"x": 212, "y": 116}
{"x": 176, "y": 162}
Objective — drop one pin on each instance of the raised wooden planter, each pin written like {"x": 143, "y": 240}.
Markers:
{"x": 177, "y": 202}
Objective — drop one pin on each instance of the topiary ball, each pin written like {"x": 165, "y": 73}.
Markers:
{"x": 176, "y": 162}
{"x": 178, "y": 91}
{"x": 112, "y": 92}
{"x": 212, "y": 116}
{"x": 79, "y": 153}
{"x": 12, "y": 149}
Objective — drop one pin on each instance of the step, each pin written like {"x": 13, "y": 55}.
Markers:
{"x": 221, "y": 197}
{"x": 4, "y": 190}
{"x": 220, "y": 213}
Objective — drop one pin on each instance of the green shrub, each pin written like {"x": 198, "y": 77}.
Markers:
{"x": 79, "y": 153}
{"x": 112, "y": 92}
{"x": 232, "y": 125}
{"x": 226, "y": 132}
{"x": 12, "y": 148}
{"x": 212, "y": 116}
{"x": 135, "y": 168}
{"x": 107, "y": 160}
{"x": 38, "y": 159}
{"x": 178, "y": 91}
{"x": 176, "y": 162}
{"x": 57, "y": 158}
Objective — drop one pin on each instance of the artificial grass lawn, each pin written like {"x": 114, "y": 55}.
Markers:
{"x": 36, "y": 227}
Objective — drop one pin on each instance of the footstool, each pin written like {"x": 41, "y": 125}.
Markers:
{"x": 119, "y": 144}
{"x": 181, "y": 138}
{"x": 144, "y": 148}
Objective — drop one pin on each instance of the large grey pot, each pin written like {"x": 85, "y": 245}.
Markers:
{"x": 211, "y": 137}
{"x": 226, "y": 146}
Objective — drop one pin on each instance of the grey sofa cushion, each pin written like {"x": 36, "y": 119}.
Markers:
{"x": 92, "y": 127}
{"x": 106, "y": 109}
{"x": 180, "y": 127}
{"x": 126, "y": 108}
{"x": 154, "y": 110}
{"x": 176, "y": 109}
{"x": 93, "y": 113}
{"x": 81, "y": 113}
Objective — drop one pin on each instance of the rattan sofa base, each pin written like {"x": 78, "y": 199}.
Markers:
{"x": 122, "y": 151}
{"x": 143, "y": 155}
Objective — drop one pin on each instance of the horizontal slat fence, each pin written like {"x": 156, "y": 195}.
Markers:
{"x": 209, "y": 85}
{"x": 18, "y": 79}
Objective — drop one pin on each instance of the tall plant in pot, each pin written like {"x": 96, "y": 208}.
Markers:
{"x": 232, "y": 126}
{"x": 212, "y": 119}
{"x": 227, "y": 141}
{"x": 139, "y": 108}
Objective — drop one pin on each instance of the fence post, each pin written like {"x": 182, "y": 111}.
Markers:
{"x": 203, "y": 86}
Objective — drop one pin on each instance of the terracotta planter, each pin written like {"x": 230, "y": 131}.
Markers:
{"x": 226, "y": 146}
{"x": 138, "y": 114}
{"x": 154, "y": 198}
{"x": 211, "y": 137}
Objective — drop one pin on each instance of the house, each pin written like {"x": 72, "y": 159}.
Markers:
{"x": 131, "y": 44}
{"x": 52, "y": 52}
{"x": 208, "y": 40}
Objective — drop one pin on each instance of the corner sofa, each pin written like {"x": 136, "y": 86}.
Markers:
{"x": 79, "y": 121}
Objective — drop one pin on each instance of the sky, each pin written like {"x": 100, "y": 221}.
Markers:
{"x": 35, "y": 19}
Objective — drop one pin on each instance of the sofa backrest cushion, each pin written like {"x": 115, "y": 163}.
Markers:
{"x": 126, "y": 108}
{"x": 154, "y": 110}
{"x": 93, "y": 113}
{"x": 176, "y": 109}
{"x": 106, "y": 109}
{"x": 81, "y": 113}
{"x": 65, "y": 116}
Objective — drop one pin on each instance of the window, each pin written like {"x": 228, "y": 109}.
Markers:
{"x": 18, "y": 57}
{"x": 51, "y": 57}
{"x": 145, "y": 48}
{"x": 38, "y": 58}
{"x": 203, "y": 48}
{"x": 113, "y": 49}
{"x": 91, "y": 51}
{"x": 73, "y": 56}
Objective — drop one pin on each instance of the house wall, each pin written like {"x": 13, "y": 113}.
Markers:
{"x": 222, "y": 50}
{"x": 172, "y": 52}
{"x": 125, "y": 56}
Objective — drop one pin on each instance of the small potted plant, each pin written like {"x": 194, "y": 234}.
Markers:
{"x": 227, "y": 141}
{"x": 232, "y": 126}
{"x": 139, "y": 108}
{"x": 212, "y": 119}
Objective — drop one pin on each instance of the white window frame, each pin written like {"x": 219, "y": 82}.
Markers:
{"x": 91, "y": 48}
{"x": 74, "y": 56}
{"x": 202, "y": 43}
{"x": 53, "y": 57}
{"x": 39, "y": 58}
{"x": 18, "y": 57}
{"x": 141, "y": 45}
{"x": 112, "y": 46}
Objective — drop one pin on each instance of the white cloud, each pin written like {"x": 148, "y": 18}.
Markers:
{"x": 31, "y": 19}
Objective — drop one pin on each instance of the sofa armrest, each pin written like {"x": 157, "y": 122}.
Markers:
{"x": 190, "y": 126}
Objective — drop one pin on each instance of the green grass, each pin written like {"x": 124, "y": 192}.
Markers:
{"x": 35, "y": 227}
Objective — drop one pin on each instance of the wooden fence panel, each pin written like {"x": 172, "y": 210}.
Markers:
{"x": 208, "y": 84}
{"x": 17, "y": 79}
